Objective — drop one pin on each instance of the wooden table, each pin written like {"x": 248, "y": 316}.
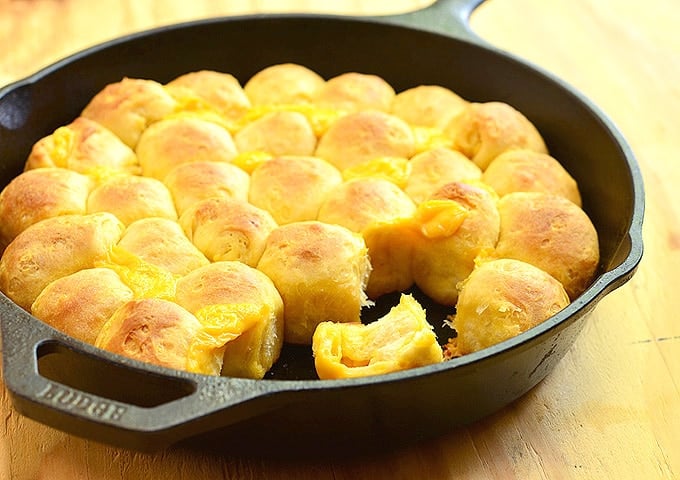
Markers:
{"x": 611, "y": 409}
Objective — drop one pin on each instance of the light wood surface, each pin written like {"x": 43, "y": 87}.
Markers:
{"x": 611, "y": 409}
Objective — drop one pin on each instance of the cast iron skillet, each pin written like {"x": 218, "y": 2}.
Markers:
{"x": 82, "y": 390}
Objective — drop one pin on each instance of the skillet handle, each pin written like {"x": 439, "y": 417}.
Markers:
{"x": 67, "y": 385}
{"x": 447, "y": 17}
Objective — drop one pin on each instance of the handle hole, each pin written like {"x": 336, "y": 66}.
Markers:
{"x": 108, "y": 379}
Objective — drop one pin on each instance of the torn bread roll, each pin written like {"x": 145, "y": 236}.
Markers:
{"x": 459, "y": 223}
{"x": 321, "y": 271}
{"x": 224, "y": 288}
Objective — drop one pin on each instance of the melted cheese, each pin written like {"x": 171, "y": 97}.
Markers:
{"x": 439, "y": 218}
{"x": 62, "y": 144}
{"x": 220, "y": 324}
{"x": 143, "y": 278}
{"x": 319, "y": 118}
{"x": 249, "y": 161}
{"x": 428, "y": 138}
{"x": 393, "y": 169}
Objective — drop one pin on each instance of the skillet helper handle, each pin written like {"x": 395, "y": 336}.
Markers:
{"x": 168, "y": 406}
{"x": 447, "y": 17}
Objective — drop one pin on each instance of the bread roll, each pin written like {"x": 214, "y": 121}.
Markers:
{"x": 79, "y": 304}
{"x": 175, "y": 141}
{"x": 162, "y": 242}
{"x": 129, "y": 106}
{"x": 364, "y": 136}
{"x": 53, "y": 248}
{"x": 292, "y": 188}
{"x": 529, "y": 171}
{"x": 219, "y": 91}
{"x": 359, "y": 203}
{"x": 432, "y": 169}
{"x": 152, "y": 330}
{"x": 252, "y": 353}
{"x": 400, "y": 340}
{"x": 427, "y": 106}
{"x": 501, "y": 299}
{"x": 285, "y": 83}
{"x": 228, "y": 229}
{"x": 130, "y": 198}
{"x": 278, "y": 133}
{"x": 485, "y": 130}
{"x": 391, "y": 247}
{"x": 355, "y": 91}
{"x": 320, "y": 270}
{"x": 190, "y": 183}
{"x": 551, "y": 233}
{"x": 83, "y": 146}
{"x": 460, "y": 222}
{"x": 39, "y": 194}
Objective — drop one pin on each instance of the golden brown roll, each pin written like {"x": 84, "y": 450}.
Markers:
{"x": 131, "y": 197}
{"x": 83, "y": 146}
{"x": 427, "y": 106}
{"x": 152, "y": 330}
{"x": 355, "y": 91}
{"x": 129, "y": 106}
{"x": 175, "y": 141}
{"x": 432, "y": 169}
{"x": 356, "y": 204}
{"x": 218, "y": 91}
{"x": 286, "y": 83}
{"x": 162, "y": 242}
{"x": 292, "y": 188}
{"x": 190, "y": 183}
{"x": 79, "y": 304}
{"x": 459, "y": 223}
{"x": 363, "y": 136}
{"x": 485, "y": 130}
{"x": 553, "y": 234}
{"x": 229, "y": 286}
{"x": 228, "y": 229}
{"x": 53, "y": 248}
{"x": 38, "y": 194}
{"x": 529, "y": 171}
{"x": 501, "y": 299}
{"x": 320, "y": 270}
{"x": 278, "y": 133}
{"x": 399, "y": 340}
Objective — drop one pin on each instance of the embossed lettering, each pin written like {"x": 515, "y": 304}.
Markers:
{"x": 85, "y": 404}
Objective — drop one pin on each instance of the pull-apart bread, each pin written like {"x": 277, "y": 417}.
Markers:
{"x": 203, "y": 224}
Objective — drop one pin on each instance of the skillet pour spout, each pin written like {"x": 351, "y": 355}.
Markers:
{"x": 82, "y": 390}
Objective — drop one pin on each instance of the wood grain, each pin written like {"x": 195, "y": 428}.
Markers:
{"x": 611, "y": 409}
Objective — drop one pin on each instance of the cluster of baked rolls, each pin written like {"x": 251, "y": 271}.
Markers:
{"x": 201, "y": 224}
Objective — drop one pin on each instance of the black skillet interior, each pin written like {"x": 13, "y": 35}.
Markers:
{"x": 58, "y": 381}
